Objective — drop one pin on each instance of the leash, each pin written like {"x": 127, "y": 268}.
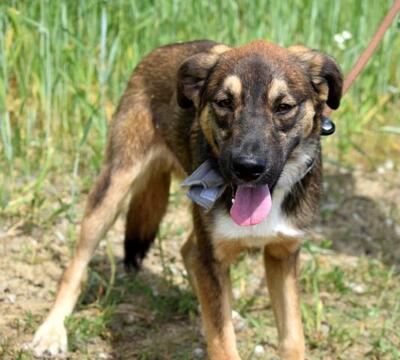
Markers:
{"x": 328, "y": 126}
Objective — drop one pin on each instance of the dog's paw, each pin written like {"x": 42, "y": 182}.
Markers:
{"x": 50, "y": 340}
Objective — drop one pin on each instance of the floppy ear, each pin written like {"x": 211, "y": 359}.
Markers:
{"x": 192, "y": 76}
{"x": 325, "y": 74}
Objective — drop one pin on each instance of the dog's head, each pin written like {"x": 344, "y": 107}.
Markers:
{"x": 259, "y": 107}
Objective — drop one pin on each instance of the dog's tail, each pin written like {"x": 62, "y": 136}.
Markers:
{"x": 146, "y": 210}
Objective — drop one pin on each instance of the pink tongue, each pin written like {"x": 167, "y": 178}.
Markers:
{"x": 251, "y": 206}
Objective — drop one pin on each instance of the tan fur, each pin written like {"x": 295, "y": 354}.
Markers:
{"x": 228, "y": 251}
{"x": 279, "y": 87}
{"x": 233, "y": 84}
{"x": 323, "y": 91}
{"x": 308, "y": 119}
{"x": 281, "y": 271}
{"x": 213, "y": 290}
{"x": 95, "y": 223}
{"x": 208, "y": 60}
{"x": 97, "y": 220}
{"x": 207, "y": 128}
{"x": 219, "y": 49}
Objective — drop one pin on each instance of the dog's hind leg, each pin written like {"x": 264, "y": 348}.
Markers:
{"x": 102, "y": 208}
{"x": 132, "y": 147}
{"x": 146, "y": 210}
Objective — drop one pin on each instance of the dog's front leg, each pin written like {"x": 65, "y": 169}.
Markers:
{"x": 211, "y": 283}
{"x": 281, "y": 269}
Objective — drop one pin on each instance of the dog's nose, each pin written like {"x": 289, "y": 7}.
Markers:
{"x": 248, "y": 168}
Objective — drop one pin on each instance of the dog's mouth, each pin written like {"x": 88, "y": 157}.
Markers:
{"x": 251, "y": 195}
{"x": 251, "y": 204}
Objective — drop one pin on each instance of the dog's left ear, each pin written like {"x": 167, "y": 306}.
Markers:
{"x": 192, "y": 76}
{"x": 325, "y": 73}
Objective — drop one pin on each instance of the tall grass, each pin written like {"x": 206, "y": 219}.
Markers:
{"x": 64, "y": 64}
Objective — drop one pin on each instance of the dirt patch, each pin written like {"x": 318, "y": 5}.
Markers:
{"x": 154, "y": 315}
{"x": 360, "y": 213}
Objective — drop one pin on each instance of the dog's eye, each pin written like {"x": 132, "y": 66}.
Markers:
{"x": 284, "y": 108}
{"x": 224, "y": 103}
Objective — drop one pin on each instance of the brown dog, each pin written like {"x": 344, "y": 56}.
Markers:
{"x": 254, "y": 112}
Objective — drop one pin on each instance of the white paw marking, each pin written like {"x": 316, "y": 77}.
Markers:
{"x": 50, "y": 339}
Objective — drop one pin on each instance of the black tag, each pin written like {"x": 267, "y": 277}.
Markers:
{"x": 327, "y": 126}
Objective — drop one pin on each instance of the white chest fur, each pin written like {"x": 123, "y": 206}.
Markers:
{"x": 225, "y": 229}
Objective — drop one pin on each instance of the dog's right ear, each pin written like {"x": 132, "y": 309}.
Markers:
{"x": 192, "y": 76}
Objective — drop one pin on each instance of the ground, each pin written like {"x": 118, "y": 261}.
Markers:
{"x": 349, "y": 282}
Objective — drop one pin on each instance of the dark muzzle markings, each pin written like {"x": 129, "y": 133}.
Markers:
{"x": 252, "y": 144}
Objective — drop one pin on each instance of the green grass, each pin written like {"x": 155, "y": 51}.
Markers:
{"x": 64, "y": 65}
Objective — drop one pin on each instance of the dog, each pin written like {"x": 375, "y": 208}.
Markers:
{"x": 254, "y": 112}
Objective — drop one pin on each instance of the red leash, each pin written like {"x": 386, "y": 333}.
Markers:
{"x": 367, "y": 53}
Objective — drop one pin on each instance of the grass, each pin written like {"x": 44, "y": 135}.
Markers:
{"x": 64, "y": 65}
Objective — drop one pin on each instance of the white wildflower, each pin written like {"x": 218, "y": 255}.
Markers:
{"x": 346, "y": 35}
{"x": 341, "y": 38}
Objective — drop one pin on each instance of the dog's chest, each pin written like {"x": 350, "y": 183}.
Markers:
{"x": 277, "y": 224}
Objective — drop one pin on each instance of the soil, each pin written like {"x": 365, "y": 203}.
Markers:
{"x": 359, "y": 215}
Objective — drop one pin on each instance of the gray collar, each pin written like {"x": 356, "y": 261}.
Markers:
{"x": 205, "y": 185}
